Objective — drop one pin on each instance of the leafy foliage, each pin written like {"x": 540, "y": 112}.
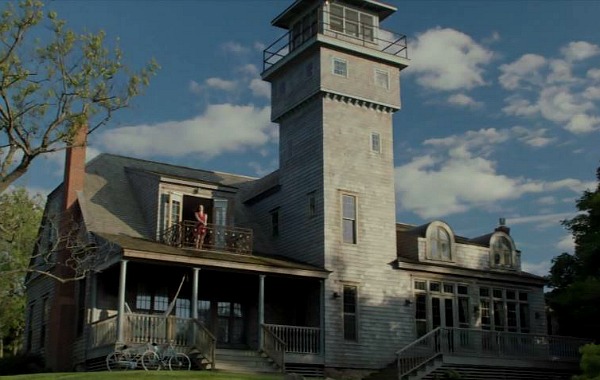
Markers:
{"x": 590, "y": 362}
{"x": 51, "y": 86}
{"x": 575, "y": 279}
{"x": 20, "y": 217}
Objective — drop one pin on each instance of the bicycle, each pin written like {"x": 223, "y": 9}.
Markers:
{"x": 157, "y": 358}
{"x": 123, "y": 359}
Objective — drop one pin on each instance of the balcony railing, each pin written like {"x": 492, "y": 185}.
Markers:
{"x": 485, "y": 343}
{"x": 213, "y": 237}
{"x": 362, "y": 34}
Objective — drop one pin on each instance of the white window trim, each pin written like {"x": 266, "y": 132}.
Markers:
{"x": 356, "y": 312}
{"x": 345, "y": 62}
{"x": 513, "y": 257}
{"x": 429, "y": 238}
{"x": 374, "y": 26}
{"x": 342, "y": 219}
{"x": 387, "y": 75}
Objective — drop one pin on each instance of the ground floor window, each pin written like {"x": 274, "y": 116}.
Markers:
{"x": 504, "y": 310}
{"x": 440, "y": 304}
{"x": 350, "y": 315}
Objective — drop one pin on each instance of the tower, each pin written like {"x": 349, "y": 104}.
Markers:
{"x": 335, "y": 80}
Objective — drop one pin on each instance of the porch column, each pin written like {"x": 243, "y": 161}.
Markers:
{"x": 121, "y": 306}
{"x": 195, "y": 293}
{"x": 322, "y": 319}
{"x": 261, "y": 309}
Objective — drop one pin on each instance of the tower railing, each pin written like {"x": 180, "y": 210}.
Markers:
{"x": 367, "y": 35}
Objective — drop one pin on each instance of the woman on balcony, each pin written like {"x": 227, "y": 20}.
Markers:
{"x": 201, "y": 222}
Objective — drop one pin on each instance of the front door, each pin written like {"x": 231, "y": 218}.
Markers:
{"x": 230, "y": 324}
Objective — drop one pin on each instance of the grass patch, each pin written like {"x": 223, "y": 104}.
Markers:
{"x": 135, "y": 375}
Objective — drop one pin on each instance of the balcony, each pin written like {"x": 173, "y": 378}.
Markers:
{"x": 359, "y": 34}
{"x": 216, "y": 238}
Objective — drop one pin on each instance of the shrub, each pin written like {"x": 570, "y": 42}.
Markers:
{"x": 21, "y": 364}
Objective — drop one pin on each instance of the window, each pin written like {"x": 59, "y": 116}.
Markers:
{"x": 500, "y": 310}
{"x": 375, "y": 142}
{"x": 275, "y": 222}
{"x": 502, "y": 252}
{"x": 44, "y": 321}
{"x": 312, "y": 204}
{"x": 350, "y": 317}
{"x": 151, "y": 300}
{"x": 340, "y": 67}
{"x": 351, "y": 22}
{"x": 441, "y": 304}
{"x": 303, "y": 30}
{"x": 440, "y": 244}
{"x": 349, "y": 218}
{"x": 382, "y": 79}
{"x": 182, "y": 308}
{"x": 30, "y": 327}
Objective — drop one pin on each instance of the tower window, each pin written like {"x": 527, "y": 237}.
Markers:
{"x": 382, "y": 79}
{"x": 502, "y": 252}
{"x": 312, "y": 204}
{"x": 340, "y": 67}
{"x": 351, "y": 22}
{"x": 375, "y": 142}
{"x": 275, "y": 222}
{"x": 349, "y": 218}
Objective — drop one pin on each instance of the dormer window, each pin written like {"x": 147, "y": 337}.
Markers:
{"x": 440, "y": 242}
{"x": 502, "y": 252}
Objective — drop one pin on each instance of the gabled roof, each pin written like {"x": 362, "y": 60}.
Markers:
{"x": 109, "y": 203}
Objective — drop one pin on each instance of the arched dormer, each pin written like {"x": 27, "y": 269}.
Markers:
{"x": 441, "y": 245}
{"x": 503, "y": 253}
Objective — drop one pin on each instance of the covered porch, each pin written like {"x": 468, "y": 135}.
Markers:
{"x": 238, "y": 302}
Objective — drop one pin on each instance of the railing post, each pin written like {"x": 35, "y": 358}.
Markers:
{"x": 121, "y": 311}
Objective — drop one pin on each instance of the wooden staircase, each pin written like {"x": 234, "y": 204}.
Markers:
{"x": 244, "y": 361}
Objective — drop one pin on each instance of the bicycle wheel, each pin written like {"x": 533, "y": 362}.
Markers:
{"x": 150, "y": 361}
{"x": 117, "y": 361}
{"x": 180, "y": 362}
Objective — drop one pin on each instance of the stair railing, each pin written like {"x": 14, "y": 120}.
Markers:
{"x": 205, "y": 342}
{"x": 419, "y": 353}
{"x": 274, "y": 347}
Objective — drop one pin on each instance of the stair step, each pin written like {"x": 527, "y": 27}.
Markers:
{"x": 243, "y": 361}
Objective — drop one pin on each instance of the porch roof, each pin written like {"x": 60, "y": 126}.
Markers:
{"x": 143, "y": 249}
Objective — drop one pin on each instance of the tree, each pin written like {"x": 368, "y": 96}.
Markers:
{"x": 20, "y": 215}
{"x": 575, "y": 279}
{"x": 49, "y": 88}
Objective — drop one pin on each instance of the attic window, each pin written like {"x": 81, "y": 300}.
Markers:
{"x": 440, "y": 245}
{"x": 502, "y": 252}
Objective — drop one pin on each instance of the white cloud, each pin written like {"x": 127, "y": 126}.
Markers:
{"x": 536, "y": 138}
{"x": 249, "y": 69}
{"x": 221, "y": 84}
{"x": 592, "y": 93}
{"x": 234, "y": 47}
{"x": 446, "y": 59}
{"x": 463, "y": 100}
{"x": 195, "y": 87}
{"x": 460, "y": 165}
{"x": 260, "y": 88}
{"x": 566, "y": 244}
{"x": 583, "y": 123}
{"x": 579, "y": 50}
{"x": 548, "y": 200}
{"x": 525, "y": 69}
{"x": 222, "y": 128}
{"x": 543, "y": 219}
{"x": 518, "y": 106}
{"x": 259, "y": 46}
{"x": 594, "y": 74}
{"x": 560, "y": 72}
{"x": 541, "y": 269}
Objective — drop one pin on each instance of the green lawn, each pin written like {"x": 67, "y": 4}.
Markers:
{"x": 135, "y": 375}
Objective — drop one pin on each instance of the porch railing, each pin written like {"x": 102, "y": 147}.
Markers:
{"x": 273, "y": 347}
{"x": 486, "y": 343}
{"x": 205, "y": 342}
{"x": 298, "y": 340}
{"x": 216, "y": 237}
{"x": 142, "y": 328}
{"x": 103, "y": 332}
{"x": 366, "y": 35}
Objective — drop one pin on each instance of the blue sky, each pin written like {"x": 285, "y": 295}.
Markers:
{"x": 500, "y": 118}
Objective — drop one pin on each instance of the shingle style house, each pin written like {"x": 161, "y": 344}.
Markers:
{"x": 307, "y": 264}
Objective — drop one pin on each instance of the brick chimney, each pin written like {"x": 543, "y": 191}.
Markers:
{"x": 63, "y": 309}
{"x": 502, "y": 226}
